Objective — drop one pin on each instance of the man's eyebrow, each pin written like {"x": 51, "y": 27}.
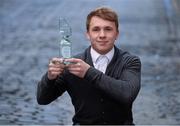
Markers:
{"x": 95, "y": 27}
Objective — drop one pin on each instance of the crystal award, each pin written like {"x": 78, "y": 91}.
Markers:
{"x": 65, "y": 44}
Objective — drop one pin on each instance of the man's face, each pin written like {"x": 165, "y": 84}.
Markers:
{"x": 102, "y": 34}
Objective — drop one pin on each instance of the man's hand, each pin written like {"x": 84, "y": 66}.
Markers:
{"x": 78, "y": 67}
{"x": 55, "y": 68}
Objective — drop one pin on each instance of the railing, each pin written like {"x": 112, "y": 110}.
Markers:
{"x": 172, "y": 9}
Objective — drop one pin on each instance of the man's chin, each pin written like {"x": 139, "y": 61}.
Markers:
{"x": 103, "y": 51}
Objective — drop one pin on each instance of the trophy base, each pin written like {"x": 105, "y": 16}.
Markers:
{"x": 67, "y": 63}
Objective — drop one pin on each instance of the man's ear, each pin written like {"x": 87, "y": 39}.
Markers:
{"x": 87, "y": 35}
{"x": 117, "y": 35}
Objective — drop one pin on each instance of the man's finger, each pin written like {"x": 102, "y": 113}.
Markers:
{"x": 55, "y": 69}
{"x": 72, "y": 60}
{"x": 56, "y": 61}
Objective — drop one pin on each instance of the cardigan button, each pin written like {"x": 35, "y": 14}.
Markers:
{"x": 104, "y": 123}
{"x": 101, "y": 99}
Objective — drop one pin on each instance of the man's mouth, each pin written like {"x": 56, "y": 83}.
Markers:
{"x": 102, "y": 42}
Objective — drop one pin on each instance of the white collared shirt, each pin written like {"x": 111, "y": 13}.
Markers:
{"x": 95, "y": 57}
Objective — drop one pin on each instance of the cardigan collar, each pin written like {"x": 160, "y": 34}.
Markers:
{"x": 88, "y": 57}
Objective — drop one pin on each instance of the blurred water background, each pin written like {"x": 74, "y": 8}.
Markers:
{"x": 29, "y": 38}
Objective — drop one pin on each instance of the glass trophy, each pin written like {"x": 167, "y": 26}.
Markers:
{"x": 65, "y": 43}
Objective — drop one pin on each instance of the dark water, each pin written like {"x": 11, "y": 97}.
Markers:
{"x": 29, "y": 38}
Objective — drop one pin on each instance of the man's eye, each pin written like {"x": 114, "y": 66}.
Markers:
{"x": 108, "y": 29}
{"x": 95, "y": 29}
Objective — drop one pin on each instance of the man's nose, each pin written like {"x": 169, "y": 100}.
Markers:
{"x": 102, "y": 33}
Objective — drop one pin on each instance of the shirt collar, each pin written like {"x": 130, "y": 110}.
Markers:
{"x": 95, "y": 54}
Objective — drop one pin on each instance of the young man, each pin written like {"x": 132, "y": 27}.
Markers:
{"x": 102, "y": 82}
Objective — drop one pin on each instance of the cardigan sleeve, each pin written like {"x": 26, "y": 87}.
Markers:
{"x": 123, "y": 89}
{"x": 49, "y": 90}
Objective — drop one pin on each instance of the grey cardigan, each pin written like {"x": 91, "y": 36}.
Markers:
{"x": 98, "y": 98}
